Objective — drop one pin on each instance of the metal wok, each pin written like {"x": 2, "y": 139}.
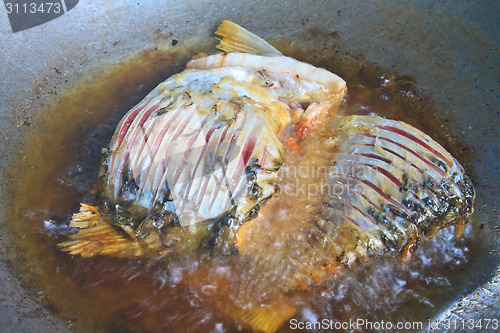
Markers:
{"x": 449, "y": 47}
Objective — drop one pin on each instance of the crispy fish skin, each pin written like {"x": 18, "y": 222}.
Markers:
{"x": 396, "y": 183}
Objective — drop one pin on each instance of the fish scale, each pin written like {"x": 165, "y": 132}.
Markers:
{"x": 373, "y": 199}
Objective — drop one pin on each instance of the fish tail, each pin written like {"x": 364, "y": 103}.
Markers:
{"x": 460, "y": 227}
{"x": 234, "y": 298}
{"x": 268, "y": 318}
{"x": 237, "y": 39}
{"x": 96, "y": 236}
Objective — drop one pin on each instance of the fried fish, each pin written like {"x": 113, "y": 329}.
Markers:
{"x": 244, "y": 153}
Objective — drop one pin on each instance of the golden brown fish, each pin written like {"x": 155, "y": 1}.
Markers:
{"x": 243, "y": 153}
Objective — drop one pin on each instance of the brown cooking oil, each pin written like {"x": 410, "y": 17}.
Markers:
{"x": 58, "y": 166}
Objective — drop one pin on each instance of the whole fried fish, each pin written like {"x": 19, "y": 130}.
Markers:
{"x": 244, "y": 152}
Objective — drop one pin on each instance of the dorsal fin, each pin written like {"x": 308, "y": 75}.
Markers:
{"x": 234, "y": 38}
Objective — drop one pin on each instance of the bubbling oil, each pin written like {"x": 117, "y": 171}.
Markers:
{"x": 58, "y": 166}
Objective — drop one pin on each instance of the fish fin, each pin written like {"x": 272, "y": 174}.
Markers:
{"x": 268, "y": 318}
{"x": 460, "y": 227}
{"x": 97, "y": 237}
{"x": 234, "y": 300}
{"x": 234, "y": 38}
{"x": 409, "y": 249}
